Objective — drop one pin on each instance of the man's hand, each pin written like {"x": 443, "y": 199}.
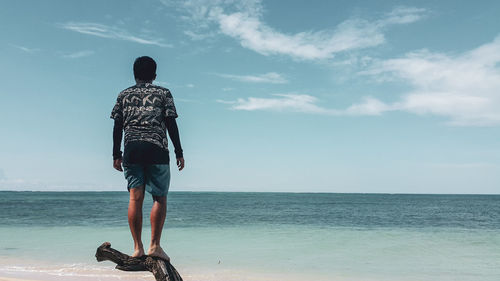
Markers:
{"x": 180, "y": 163}
{"x": 117, "y": 164}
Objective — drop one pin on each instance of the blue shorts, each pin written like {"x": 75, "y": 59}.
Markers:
{"x": 155, "y": 177}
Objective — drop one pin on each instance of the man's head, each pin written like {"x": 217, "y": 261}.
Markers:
{"x": 144, "y": 69}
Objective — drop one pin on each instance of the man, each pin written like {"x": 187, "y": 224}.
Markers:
{"x": 145, "y": 112}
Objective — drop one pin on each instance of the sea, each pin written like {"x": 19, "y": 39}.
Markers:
{"x": 257, "y": 236}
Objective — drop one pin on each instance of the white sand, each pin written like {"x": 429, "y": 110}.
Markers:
{"x": 14, "y": 279}
{"x": 29, "y": 270}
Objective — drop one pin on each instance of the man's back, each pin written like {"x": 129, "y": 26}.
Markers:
{"x": 143, "y": 108}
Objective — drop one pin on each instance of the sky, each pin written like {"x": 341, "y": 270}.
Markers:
{"x": 285, "y": 96}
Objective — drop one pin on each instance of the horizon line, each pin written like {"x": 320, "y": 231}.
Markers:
{"x": 299, "y": 192}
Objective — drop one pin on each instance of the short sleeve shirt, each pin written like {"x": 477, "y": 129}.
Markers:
{"x": 143, "y": 109}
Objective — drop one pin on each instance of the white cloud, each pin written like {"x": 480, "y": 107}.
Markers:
{"x": 369, "y": 106}
{"x": 225, "y": 101}
{"x": 460, "y": 87}
{"x": 162, "y": 83}
{"x": 26, "y": 49}
{"x": 282, "y": 102}
{"x": 79, "y": 54}
{"x": 305, "y": 104}
{"x": 257, "y": 36}
{"x": 270, "y": 77}
{"x": 243, "y": 20}
{"x": 403, "y": 15}
{"x": 463, "y": 87}
{"x": 198, "y": 36}
{"x": 175, "y": 85}
{"x": 104, "y": 31}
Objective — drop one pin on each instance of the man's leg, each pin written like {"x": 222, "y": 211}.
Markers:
{"x": 135, "y": 218}
{"x": 158, "y": 214}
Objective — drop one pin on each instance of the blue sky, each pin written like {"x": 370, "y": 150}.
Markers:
{"x": 301, "y": 96}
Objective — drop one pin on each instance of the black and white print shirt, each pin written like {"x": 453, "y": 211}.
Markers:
{"x": 143, "y": 109}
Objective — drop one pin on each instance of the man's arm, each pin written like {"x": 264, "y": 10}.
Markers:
{"x": 173, "y": 132}
{"x": 117, "y": 142}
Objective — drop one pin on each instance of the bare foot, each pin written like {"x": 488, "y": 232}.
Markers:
{"x": 157, "y": 251}
{"x": 138, "y": 253}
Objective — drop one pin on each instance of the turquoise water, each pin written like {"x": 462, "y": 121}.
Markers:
{"x": 263, "y": 236}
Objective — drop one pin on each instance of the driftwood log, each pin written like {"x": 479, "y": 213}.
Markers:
{"x": 162, "y": 270}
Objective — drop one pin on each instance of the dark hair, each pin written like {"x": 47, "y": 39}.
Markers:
{"x": 144, "y": 68}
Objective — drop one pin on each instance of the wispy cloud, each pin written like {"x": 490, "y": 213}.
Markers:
{"x": 198, "y": 36}
{"x": 244, "y": 21}
{"x": 303, "y": 103}
{"x": 26, "y": 49}
{"x": 111, "y": 32}
{"x": 270, "y": 77}
{"x": 402, "y": 15}
{"x": 463, "y": 87}
{"x": 79, "y": 54}
{"x": 281, "y": 102}
{"x": 169, "y": 84}
{"x": 162, "y": 83}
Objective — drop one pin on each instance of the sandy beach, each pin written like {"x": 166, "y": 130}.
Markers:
{"x": 37, "y": 270}
{"x": 111, "y": 275}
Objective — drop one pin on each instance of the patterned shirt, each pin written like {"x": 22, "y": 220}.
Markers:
{"x": 143, "y": 109}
